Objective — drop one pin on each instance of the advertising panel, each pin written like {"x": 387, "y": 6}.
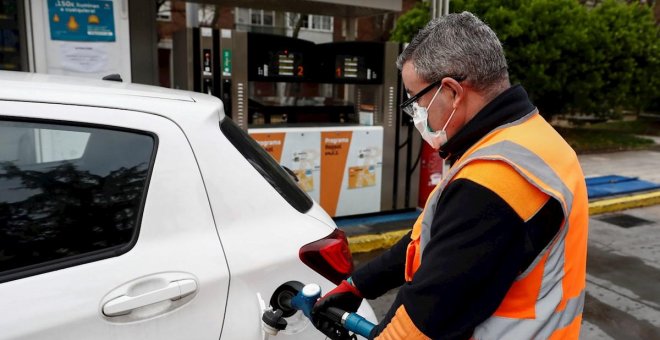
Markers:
{"x": 81, "y": 20}
{"x": 81, "y": 38}
{"x": 339, "y": 167}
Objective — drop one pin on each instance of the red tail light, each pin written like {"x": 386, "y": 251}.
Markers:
{"x": 329, "y": 256}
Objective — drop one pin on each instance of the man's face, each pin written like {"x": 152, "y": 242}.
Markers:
{"x": 440, "y": 109}
{"x": 444, "y": 103}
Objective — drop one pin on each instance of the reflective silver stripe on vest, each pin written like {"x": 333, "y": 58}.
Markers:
{"x": 508, "y": 328}
{"x": 550, "y": 294}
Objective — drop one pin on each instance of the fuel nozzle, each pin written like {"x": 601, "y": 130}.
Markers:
{"x": 306, "y": 299}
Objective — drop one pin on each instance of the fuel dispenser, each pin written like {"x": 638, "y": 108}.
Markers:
{"x": 197, "y": 60}
{"x": 328, "y": 111}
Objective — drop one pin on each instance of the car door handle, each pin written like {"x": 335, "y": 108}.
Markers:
{"x": 173, "y": 291}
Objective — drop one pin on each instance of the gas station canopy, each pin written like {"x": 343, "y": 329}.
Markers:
{"x": 337, "y": 8}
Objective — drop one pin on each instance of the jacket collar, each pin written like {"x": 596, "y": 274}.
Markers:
{"x": 508, "y": 106}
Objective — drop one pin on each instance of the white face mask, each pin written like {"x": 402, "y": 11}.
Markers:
{"x": 420, "y": 118}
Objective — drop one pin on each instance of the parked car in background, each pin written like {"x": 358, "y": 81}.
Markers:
{"x": 138, "y": 212}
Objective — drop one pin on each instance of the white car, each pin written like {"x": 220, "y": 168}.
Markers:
{"x": 138, "y": 212}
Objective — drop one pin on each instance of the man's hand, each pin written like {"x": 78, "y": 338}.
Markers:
{"x": 345, "y": 297}
{"x": 331, "y": 328}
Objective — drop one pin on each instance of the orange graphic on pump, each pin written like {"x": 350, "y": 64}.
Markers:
{"x": 334, "y": 152}
{"x": 271, "y": 142}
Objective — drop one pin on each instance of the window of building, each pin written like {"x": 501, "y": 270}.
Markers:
{"x": 313, "y": 22}
{"x": 256, "y": 17}
{"x": 268, "y": 18}
{"x": 68, "y": 194}
{"x": 242, "y": 16}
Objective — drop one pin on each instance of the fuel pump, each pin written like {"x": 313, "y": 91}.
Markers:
{"x": 332, "y": 101}
{"x": 197, "y": 60}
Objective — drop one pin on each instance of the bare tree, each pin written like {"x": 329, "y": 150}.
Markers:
{"x": 296, "y": 18}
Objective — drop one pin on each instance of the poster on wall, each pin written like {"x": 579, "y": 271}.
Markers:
{"x": 81, "y": 20}
{"x": 83, "y": 58}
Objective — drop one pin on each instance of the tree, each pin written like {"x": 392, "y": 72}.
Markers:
{"x": 574, "y": 58}
{"x": 598, "y": 58}
{"x": 411, "y": 22}
{"x": 624, "y": 39}
{"x": 297, "y": 21}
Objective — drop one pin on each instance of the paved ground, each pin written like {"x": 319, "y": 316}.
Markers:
{"x": 623, "y": 269}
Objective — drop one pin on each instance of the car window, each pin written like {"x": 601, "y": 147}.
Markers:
{"x": 68, "y": 194}
{"x": 266, "y": 166}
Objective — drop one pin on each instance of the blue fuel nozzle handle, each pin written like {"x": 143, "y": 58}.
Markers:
{"x": 352, "y": 321}
{"x": 357, "y": 324}
{"x": 306, "y": 298}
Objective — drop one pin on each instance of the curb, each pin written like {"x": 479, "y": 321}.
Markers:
{"x": 622, "y": 203}
{"x": 370, "y": 242}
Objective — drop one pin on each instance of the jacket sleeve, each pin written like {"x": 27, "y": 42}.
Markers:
{"x": 478, "y": 246}
{"x": 383, "y": 273}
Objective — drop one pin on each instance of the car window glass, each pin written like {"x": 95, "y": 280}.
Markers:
{"x": 266, "y": 166}
{"x": 67, "y": 193}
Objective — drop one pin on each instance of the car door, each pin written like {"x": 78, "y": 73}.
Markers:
{"x": 105, "y": 228}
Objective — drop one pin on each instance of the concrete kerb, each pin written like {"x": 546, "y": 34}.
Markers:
{"x": 638, "y": 200}
{"x": 370, "y": 242}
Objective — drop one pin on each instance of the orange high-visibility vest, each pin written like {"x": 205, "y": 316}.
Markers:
{"x": 546, "y": 300}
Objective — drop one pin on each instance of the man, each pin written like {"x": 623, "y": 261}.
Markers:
{"x": 499, "y": 251}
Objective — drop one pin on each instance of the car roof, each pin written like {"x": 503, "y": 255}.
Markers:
{"x": 45, "y": 88}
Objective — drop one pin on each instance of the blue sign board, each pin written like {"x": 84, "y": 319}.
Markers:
{"x": 81, "y": 20}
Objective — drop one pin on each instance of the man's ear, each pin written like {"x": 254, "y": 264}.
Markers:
{"x": 456, "y": 88}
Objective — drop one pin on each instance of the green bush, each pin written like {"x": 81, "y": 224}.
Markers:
{"x": 570, "y": 58}
{"x": 411, "y": 22}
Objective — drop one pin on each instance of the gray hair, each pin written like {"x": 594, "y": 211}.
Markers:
{"x": 456, "y": 45}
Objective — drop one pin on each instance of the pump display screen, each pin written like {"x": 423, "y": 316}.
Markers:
{"x": 282, "y": 64}
{"x": 353, "y": 67}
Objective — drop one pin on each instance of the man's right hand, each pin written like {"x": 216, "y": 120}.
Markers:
{"x": 330, "y": 327}
{"x": 345, "y": 297}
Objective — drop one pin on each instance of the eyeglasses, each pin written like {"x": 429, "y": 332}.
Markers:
{"x": 407, "y": 106}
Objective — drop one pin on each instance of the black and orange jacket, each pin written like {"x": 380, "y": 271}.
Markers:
{"x": 490, "y": 232}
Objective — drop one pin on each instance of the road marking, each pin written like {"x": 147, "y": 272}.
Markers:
{"x": 589, "y": 331}
{"x": 623, "y": 300}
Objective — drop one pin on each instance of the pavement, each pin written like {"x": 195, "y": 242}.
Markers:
{"x": 623, "y": 265}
